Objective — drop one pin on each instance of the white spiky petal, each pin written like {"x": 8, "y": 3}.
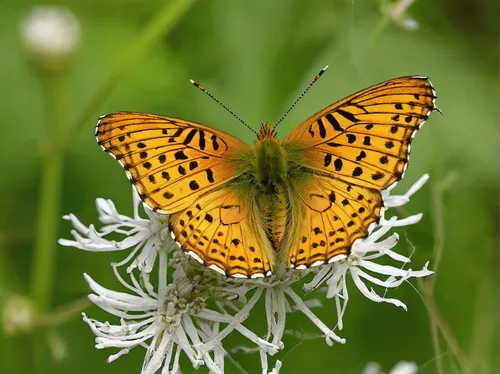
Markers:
{"x": 171, "y": 317}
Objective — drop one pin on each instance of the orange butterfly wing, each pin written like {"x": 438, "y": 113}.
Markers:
{"x": 365, "y": 138}
{"x": 171, "y": 162}
{"x": 352, "y": 150}
{"x": 223, "y": 231}
{"x": 182, "y": 168}
{"x": 333, "y": 214}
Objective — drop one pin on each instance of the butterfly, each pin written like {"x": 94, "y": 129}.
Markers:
{"x": 248, "y": 212}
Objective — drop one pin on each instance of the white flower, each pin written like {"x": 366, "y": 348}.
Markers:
{"x": 143, "y": 236}
{"x": 398, "y": 12}
{"x": 280, "y": 299}
{"x": 173, "y": 320}
{"x": 360, "y": 263}
{"x": 18, "y": 315}
{"x": 50, "y": 34}
{"x": 199, "y": 308}
{"x": 402, "y": 367}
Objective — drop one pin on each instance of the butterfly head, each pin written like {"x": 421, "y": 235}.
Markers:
{"x": 266, "y": 132}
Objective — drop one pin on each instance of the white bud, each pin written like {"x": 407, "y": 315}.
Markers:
{"x": 50, "y": 36}
{"x": 18, "y": 315}
{"x": 398, "y": 12}
{"x": 58, "y": 346}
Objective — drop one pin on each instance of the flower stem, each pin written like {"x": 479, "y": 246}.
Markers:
{"x": 47, "y": 221}
{"x": 380, "y": 27}
{"x": 64, "y": 313}
{"x": 427, "y": 287}
{"x": 166, "y": 19}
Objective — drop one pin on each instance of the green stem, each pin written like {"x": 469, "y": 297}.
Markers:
{"x": 49, "y": 201}
{"x": 427, "y": 287}
{"x": 161, "y": 25}
{"x": 63, "y": 314}
{"x": 381, "y": 26}
{"x": 377, "y": 34}
{"x": 51, "y": 174}
{"x": 48, "y": 212}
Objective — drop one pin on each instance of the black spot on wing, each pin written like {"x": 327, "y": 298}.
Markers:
{"x": 193, "y": 165}
{"x": 322, "y": 130}
{"x": 357, "y": 171}
{"x": 193, "y": 185}
{"x": 202, "y": 140}
{"x": 210, "y": 175}
{"x": 180, "y": 155}
{"x": 347, "y": 115}
{"x": 328, "y": 159}
{"x": 215, "y": 144}
{"x": 190, "y": 136}
{"x": 361, "y": 156}
{"x": 335, "y": 124}
{"x": 338, "y": 164}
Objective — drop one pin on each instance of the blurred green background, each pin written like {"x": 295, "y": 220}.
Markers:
{"x": 256, "y": 56}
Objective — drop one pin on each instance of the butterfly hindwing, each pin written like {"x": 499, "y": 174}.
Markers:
{"x": 222, "y": 230}
{"x": 333, "y": 214}
{"x": 171, "y": 162}
{"x": 365, "y": 138}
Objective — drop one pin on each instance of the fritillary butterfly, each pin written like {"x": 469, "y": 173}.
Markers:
{"x": 252, "y": 211}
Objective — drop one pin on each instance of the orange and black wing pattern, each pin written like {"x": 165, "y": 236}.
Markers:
{"x": 171, "y": 162}
{"x": 352, "y": 150}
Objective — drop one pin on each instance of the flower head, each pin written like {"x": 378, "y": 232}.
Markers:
{"x": 398, "y": 12}
{"x": 142, "y": 236}
{"x": 18, "y": 315}
{"x": 402, "y": 367}
{"x": 192, "y": 309}
{"x": 50, "y": 35}
{"x": 170, "y": 319}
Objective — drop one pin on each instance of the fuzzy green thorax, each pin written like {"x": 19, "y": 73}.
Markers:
{"x": 271, "y": 164}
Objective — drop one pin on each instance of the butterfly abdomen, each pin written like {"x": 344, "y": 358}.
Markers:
{"x": 271, "y": 169}
{"x": 274, "y": 206}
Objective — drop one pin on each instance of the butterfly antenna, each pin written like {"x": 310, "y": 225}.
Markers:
{"x": 301, "y": 95}
{"x": 200, "y": 87}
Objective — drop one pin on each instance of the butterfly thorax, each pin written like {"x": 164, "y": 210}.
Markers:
{"x": 271, "y": 175}
{"x": 271, "y": 164}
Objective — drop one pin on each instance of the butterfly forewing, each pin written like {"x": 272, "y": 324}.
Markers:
{"x": 171, "y": 162}
{"x": 365, "y": 138}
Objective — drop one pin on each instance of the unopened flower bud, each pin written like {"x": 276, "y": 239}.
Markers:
{"x": 18, "y": 315}
{"x": 50, "y": 36}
